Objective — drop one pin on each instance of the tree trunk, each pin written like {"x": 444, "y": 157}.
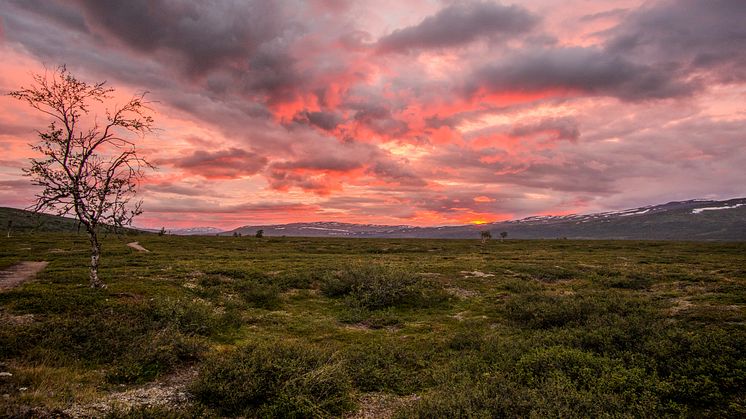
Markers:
{"x": 95, "y": 255}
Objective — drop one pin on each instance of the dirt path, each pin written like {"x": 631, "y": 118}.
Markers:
{"x": 19, "y": 273}
{"x": 136, "y": 246}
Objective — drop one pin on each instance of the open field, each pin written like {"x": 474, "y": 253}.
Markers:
{"x": 211, "y": 326}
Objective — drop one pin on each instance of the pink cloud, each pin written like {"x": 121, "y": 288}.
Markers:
{"x": 401, "y": 112}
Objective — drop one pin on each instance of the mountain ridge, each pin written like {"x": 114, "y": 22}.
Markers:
{"x": 696, "y": 219}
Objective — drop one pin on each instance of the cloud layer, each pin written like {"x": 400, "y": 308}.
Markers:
{"x": 432, "y": 112}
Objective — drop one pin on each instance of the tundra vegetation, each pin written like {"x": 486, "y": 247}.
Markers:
{"x": 296, "y": 327}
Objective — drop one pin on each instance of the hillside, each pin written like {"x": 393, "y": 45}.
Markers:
{"x": 24, "y": 222}
{"x": 685, "y": 220}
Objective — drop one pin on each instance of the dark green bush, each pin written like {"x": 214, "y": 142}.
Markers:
{"x": 275, "y": 379}
{"x": 259, "y": 295}
{"x": 390, "y": 366}
{"x": 374, "y": 287}
{"x": 543, "y": 311}
{"x": 547, "y": 273}
{"x": 154, "y": 355}
{"x": 192, "y": 317}
{"x": 465, "y": 339}
{"x": 375, "y": 319}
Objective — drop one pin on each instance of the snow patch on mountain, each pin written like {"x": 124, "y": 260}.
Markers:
{"x": 699, "y": 210}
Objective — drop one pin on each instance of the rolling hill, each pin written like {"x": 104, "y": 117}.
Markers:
{"x": 24, "y": 222}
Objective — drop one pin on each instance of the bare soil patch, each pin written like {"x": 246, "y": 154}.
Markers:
{"x": 476, "y": 274}
{"x": 136, "y": 246}
{"x": 19, "y": 273}
{"x": 170, "y": 392}
{"x": 462, "y": 293}
{"x": 381, "y": 405}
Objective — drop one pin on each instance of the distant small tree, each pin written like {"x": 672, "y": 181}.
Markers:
{"x": 503, "y": 235}
{"x": 162, "y": 232}
{"x": 235, "y": 234}
{"x": 90, "y": 171}
{"x": 10, "y": 226}
{"x": 485, "y": 235}
{"x": 259, "y": 234}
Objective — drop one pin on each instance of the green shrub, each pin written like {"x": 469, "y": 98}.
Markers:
{"x": 154, "y": 355}
{"x": 542, "y": 311}
{"x": 390, "y": 366}
{"x": 375, "y": 287}
{"x": 259, "y": 295}
{"x": 192, "y": 317}
{"x": 546, "y": 273}
{"x": 465, "y": 339}
{"x": 377, "y": 319}
{"x": 275, "y": 379}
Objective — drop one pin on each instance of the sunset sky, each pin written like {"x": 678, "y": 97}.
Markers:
{"x": 421, "y": 112}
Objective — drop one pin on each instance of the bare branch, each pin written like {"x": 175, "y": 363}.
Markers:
{"x": 92, "y": 172}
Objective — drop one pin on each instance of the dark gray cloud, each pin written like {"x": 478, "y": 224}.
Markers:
{"x": 561, "y": 128}
{"x": 378, "y": 118}
{"x": 280, "y": 179}
{"x": 228, "y": 163}
{"x": 205, "y": 34}
{"x": 459, "y": 24}
{"x": 695, "y": 36}
{"x": 324, "y": 120}
{"x": 396, "y": 172}
{"x": 588, "y": 71}
{"x": 61, "y": 13}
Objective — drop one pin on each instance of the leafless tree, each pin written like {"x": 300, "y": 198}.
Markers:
{"x": 503, "y": 235}
{"x": 485, "y": 235}
{"x": 87, "y": 168}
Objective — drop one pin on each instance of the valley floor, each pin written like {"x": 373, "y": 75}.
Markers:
{"x": 275, "y": 327}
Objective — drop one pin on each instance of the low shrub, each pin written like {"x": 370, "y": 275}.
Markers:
{"x": 544, "y": 311}
{"x": 192, "y": 316}
{"x": 375, "y": 287}
{"x": 154, "y": 355}
{"x": 389, "y": 366}
{"x": 275, "y": 379}
{"x": 546, "y": 273}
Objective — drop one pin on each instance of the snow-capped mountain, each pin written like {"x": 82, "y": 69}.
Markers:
{"x": 195, "y": 231}
{"x": 684, "y": 220}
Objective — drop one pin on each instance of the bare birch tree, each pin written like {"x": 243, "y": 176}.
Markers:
{"x": 87, "y": 168}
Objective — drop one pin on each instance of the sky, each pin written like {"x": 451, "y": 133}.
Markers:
{"x": 419, "y": 112}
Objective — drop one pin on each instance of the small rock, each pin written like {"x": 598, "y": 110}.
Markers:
{"x": 22, "y": 388}
{"x": 5, "y": 374}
